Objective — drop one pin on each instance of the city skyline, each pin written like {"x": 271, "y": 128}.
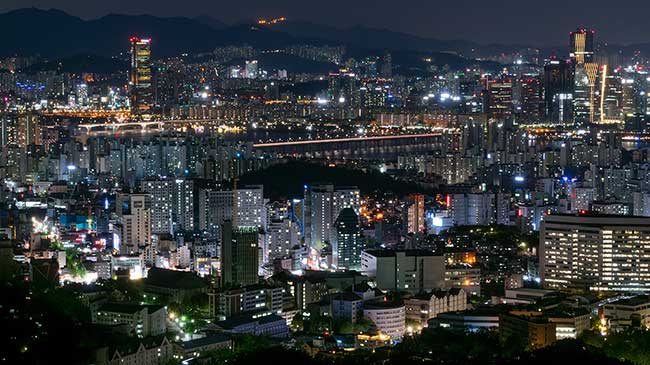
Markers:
{"x": 177, "y": 192}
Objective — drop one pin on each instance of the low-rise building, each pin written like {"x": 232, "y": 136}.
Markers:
{"x": 389, "y": 317}
{"x": 628, "y": 312}
{"x": 524, "y": 296}
{"x": 177, "y": 285}
{"x": 463, "y": 276}
{"x": 404, "y": 270}
{"x": 346, "y": 306}
{"x": 424, "y": 306}
{"x": 196, "y": 347}
{"x": 531, "y": 327}
{"x": 469, "y": 320}
{"x": 151, "y": 351}
{"x": 140, "y": 320}
{"x": 229, "y": 302}
{"x": 261, "y": 324}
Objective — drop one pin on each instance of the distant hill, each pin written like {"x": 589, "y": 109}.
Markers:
{"x": 54, "y": 34}
{"x": 287, "y": 180}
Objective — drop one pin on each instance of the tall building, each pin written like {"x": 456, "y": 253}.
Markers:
{"x": 530, "y": 100}
{"x": 611, "y": 95}
{"x": 140, "y": 75}
{"x": 174, "y": 204}
{"x": 347, "y": 243}
{"x": 581, "y": 43}
{"x": 597, "y": 251}
{"x": 251, "y": 70}
{"x": 323, "y": 203}
{"x": 239, "y": 255}
{"x": 217, "y": 206}
{"x": 500, "y": 98}
{"x": 558, "y": 91}
{"x": 415, "y": 214}
{"x": 474, "y": 209}
{"x": 134, "y": 213}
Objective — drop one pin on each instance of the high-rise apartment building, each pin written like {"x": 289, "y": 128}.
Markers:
{"x": 323, "y": 203}
{"x": 134, "y": 213}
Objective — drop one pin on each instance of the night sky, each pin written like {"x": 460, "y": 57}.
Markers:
{"x": 538, "y": 23}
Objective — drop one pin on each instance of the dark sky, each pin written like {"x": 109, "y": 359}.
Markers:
{"x": 540, "y": 23}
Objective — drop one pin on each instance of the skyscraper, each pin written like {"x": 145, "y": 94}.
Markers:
{"x": 346, "y": 241}
{"x": 530, "y": 99}
{"x": 581, "y": 43}
{"x": 140, "y": 75}
{"x": 582, "y": 46}
{"x": 239, "y": 255}
{"x": 500, "y": 98}
{"x": 558, "y": 91}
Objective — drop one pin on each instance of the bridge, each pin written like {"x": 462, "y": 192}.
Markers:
{"x": 142, "y": 127}
{"x": 359, "y": 147}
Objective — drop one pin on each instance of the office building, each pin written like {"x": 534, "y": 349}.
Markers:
{"x": 347, "y": 243}
{"x": 404, "y": 270}
{"x": 597, "y": 251}
{"x": 140, "y": 81}
{"x": 239, "y": 255}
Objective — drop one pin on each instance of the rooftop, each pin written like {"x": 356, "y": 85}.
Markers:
{"x": 174, "y": 279}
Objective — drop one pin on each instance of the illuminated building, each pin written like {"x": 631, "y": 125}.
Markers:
{"x": 347, "y": 242}
{"x": 581, "y": 44}
{"x": 611, "y": 95}
{"x": 140, "y": 75}
{"x": 390, "y": 318}
{"x": 134, "y": 211}
{"x": 280, "y": 237}
{"x": 20, "y": 130}
{"x": 500, "y": 98}
{"x": 621, "y": 313}
{"x": 531, "y": 94}
{"x": 463, "y": 276}
{"x": 558, "y": 91}
{"x": 475, "y": 209}
{"x": 173, "y": 203}
{"x": 415, "y": 213}
{"x": 599, "y": 251}
{"x": 635, "y": 92}
{"x": 251, "y": 70}
{"x": 143, "y": 320}
{"x": 250, "y": 298}
{"x": 239, "y": 255}
{"x": 323, "y": 204}
{"x": 404, "y": 270}
{"x": 424, "y": 306}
